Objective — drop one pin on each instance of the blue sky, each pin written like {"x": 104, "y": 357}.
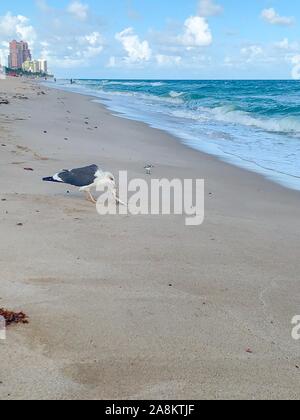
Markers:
{"x": 188, "y": 39}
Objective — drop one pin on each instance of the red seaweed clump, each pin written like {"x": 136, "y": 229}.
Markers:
{"x": 14, "y": 317}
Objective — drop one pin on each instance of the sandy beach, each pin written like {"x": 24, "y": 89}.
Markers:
{"x": 139, "y": 307}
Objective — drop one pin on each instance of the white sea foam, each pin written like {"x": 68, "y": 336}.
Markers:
{"x": 157, "y": 84}
{"x": 147, "y": 97}
{"x": 279, "y": 125}
{"x": 229, "y": 114}
{"x": 126, "y": 83}
{"x": 174, "y": 94}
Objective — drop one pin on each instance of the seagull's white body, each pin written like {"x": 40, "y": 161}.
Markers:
{"x": 102, "y": 179}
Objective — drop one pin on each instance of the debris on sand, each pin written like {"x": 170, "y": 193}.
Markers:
{"x": 14, "y": 317}
{"x": 28, "y": 169}
{"x": 4, "y": 101}
{"x": 21, "y": 97}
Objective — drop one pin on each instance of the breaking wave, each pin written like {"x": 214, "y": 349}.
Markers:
{"x": 287, "y": 124}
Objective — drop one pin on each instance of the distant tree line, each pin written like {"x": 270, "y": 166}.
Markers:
{"x": 20, "y": 72}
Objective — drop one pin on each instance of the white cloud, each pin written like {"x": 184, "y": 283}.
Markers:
{"x": 168, "y": 60}
{"x": 252, "y": 52}
{"x": 272, "y": 17}
{"x": 72, "y": 52}
{"x": 78, "y": 10}
{"x": 137, "y": 50}
{"x": 3, "y": 52}
{"x": 196, "y": 33}
{"x": 295, "y": 59}
{"x": 18, "y": 27}
{"x": 92, "y": 44}
{"x": 285, "y": 44}
{"x": 209, "y": 8}
{"x": 64, "y": 45}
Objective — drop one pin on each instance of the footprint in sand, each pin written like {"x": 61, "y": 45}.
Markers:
{"x": 23, "y": 148}
{"x": 27, "y": 150}
{"x": 38, "y": 157}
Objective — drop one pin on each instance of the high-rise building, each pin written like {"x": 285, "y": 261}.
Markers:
{"x": 26, "y": 53}
{"x": 43, "y": 66}
{"x": 19, "y": 52}
{"x": 35, "y": 66}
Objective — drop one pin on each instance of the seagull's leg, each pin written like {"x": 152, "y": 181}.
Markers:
{"x": 86, "y": 196}
{"x": 89, "y": 197}
{"x": 92, "y": 199}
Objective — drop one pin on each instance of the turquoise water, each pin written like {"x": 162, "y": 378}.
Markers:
{"x": 252, "y": 124}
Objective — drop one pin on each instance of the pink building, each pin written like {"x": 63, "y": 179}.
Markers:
{"x": 19, "y": 52}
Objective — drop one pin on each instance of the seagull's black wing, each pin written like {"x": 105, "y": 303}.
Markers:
{"x": 79, "y": 177}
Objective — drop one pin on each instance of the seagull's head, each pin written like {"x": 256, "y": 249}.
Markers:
{"x": 107, "y": 179}
{"x": 110, "y": 178}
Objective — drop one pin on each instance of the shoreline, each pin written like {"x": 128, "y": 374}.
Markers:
{"x": 181, "y": 142}
{"x": 104, "y": 321}
{"x": 275, "y": 176}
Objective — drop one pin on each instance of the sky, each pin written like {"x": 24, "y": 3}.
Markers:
{"x": 158, "y": 39}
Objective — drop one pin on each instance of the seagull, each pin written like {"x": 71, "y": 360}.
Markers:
{"x": 86, "y": 178}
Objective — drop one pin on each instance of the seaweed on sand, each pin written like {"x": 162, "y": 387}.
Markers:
{"x": 14, "y": 317}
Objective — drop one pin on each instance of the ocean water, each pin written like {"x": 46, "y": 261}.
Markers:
{"x": 251, "y": 124}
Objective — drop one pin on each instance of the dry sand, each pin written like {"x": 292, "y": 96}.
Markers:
{"x": 104, "y": 321}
